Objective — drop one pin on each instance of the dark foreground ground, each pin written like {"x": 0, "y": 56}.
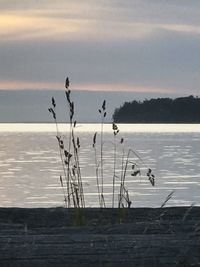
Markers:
{"x": 100, "y": 237}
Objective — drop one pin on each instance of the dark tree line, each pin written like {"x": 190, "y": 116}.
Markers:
{"x": 160, "y": 110}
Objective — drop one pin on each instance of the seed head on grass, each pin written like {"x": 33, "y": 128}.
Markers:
{"x": 53, "y": 113}
{"x": 67, "y": 83}
{"x": 53, "y": 102}
{"x": 115, "y": 129}
{"x": 61, "y": 181}
{"x": 78, "y": 142}
{"x": 151, "y": 177}
{"x": 104, "y": 105}
{"x": 94, "y": 139}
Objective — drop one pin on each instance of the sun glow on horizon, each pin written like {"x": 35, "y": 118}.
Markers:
{"x": 25, "y": 85}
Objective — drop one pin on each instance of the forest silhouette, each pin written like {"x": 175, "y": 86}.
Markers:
{"x": 160, "y": 110}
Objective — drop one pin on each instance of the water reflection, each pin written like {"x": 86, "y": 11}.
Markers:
{"x": 30, "y": 166}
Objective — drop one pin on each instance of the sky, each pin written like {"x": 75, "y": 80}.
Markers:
{"x": 144, "y": 46}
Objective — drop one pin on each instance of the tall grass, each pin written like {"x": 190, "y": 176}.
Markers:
{"x": 72, "y": 184}
{"x": 71, "y": 179}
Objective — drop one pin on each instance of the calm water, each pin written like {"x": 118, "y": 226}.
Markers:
{"x": 30, "y": 165}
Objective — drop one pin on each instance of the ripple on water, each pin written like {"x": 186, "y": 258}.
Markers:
{"x": 34, "y": 166}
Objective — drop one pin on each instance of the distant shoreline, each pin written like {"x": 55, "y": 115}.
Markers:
{"x": 160, "y": 110}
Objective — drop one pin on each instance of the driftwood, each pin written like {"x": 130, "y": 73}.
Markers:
{"x": 100, "y": 237}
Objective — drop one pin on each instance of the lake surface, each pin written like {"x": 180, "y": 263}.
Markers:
{"x": 30, "y": 165}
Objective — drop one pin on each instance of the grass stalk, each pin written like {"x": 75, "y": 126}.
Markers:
{"x": 167, "y": 199}
{"x": 122, "y": 173}
{"x": 102, "y": 111}
{"x": 52, "y": 110}
{"x": 114, "y": 171}
{"x": 70, "y": 157}
{"x": 96, "y": 168}
{"x": 115, "y": 132}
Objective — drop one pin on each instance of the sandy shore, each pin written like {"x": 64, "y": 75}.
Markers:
{"x": 100, "y": 237}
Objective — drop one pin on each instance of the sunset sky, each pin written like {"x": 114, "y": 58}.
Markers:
{"x": 110, "y": 45}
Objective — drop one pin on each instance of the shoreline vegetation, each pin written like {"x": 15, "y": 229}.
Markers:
{"x": 160, "y": 110}
{"x": 145, "y": 237}
{"x": 69, "y": 147}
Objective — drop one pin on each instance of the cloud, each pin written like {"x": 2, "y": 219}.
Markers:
{"x": 102, "y": 20}
{"x": 167, "y": 62}
{"x": 102, "y": 45}
{"x": 21, "y": 28}
{"x": 23, "y": 85}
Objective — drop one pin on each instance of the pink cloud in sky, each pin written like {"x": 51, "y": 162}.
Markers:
{"x": 25, "y": 85}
